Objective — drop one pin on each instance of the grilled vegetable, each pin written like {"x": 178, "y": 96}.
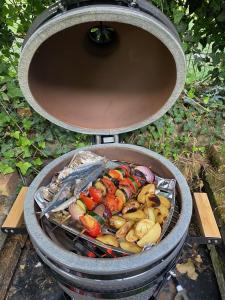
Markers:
{"x": 88, "y": 201}
{"x": 108, "y": 239}
{"x": 121, "y": 194}
{"x": 164, "y": 211}
{"x": 110, "y": 186}
{"x": 92, "y": 226}
{"x": 148, "y": 174}
{"x": 117, "y": 174}
{"x": 149, "y": 211}
{"x": 76, "y": 211}
{"x": 142, "y": 227}
{"x": 131, "y": 236}
{"x": 151, "y": 237}
{"x": 97, "y": 217}
{"x": 81, "y": 204}
{"x": 131, "y": 206}
{"x": 117, "y": 222}
{"x": 146, "y": 191}
{"x": 122, "y": 232}
{"x": 126, "y": 169}
{"x": 135, "y": 216}
{"x": 131, "y": 247}
{"x": 95, "y": 194}
{"x": 165, "y": 202}
{"x": 100, "y": 186}
{"x": 129, "y": 182}
{"x": 152, "y": 201}
{"x": 114, "y": 203}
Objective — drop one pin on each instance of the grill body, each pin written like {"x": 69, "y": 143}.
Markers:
{"x": 111, "y": 277}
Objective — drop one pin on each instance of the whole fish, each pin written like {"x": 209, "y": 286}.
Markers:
{"x": 82, "y": 171}
{"x": 62, "y": 203}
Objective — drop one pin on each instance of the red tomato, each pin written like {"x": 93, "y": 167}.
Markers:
{"x": 89, "y": 202}
{"x": 113, "y": 203}
{"x": 95, "y": 194}
{"x": 129, "y": 183}
{"x": 111, "y": 188}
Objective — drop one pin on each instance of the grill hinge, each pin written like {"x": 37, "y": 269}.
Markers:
{"x": 106, "y": 139}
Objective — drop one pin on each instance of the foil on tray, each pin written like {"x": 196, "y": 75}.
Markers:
{"x": 45, "y": 195}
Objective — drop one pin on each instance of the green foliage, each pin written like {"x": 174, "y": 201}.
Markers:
{"x": 28, "y": 140}
{"x": 193, "y": 124}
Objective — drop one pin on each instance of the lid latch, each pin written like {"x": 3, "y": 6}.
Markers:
{"x": 106, "y": 139}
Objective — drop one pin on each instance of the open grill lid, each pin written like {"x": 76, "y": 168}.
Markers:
{"x": 102, "y": 68}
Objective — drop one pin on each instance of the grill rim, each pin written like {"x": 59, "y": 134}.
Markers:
{"x": 103, "y": 266}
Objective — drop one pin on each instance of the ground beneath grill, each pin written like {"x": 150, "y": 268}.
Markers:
{"x": 32, "y": 282}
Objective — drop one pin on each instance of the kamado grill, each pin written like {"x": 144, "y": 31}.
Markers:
{"x": 104, "y": 68}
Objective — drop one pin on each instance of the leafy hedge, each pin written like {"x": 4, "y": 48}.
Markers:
{"x": 28, "y": 140}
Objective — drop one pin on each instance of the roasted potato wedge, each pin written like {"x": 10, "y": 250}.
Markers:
{"x": 117, "y": 222}
{"x": 131, "y": 236}
{"x": 165, "y": 202}
{"x": 149, "y": 211}
{"x": 153, "y": 201}
{"x": 108, "y": 239}
{"x": 160, "y": 219}
{"x": 163, "y": 210}
{"x": 135, "y": 216}
{"x": 131, "y": 247}
{"x": 122, "y": 232}
{"x": 146, "y": 191}
{"x": 130, "y": 206}
{"x": 151, "y": 237}
{"x": 142, "y": 227}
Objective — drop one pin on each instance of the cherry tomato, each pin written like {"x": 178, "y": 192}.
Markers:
{"x": 111, "y": 188}
{"x": 88, "y": 201}
{"x": 95, "y": 194}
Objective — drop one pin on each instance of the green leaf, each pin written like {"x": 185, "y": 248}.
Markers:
{"x": 27, "y": 124}
{"x": 38, "y": 162}
{"x": 42, "y": 144}
{"x": 9, "y": 154}
{"x": 14, "y": 91}
{"x": 24, "y": 167}
{"x": 5, "y": 168}
{"x": 26, "y": 152}
{"x": 24, "y": 141}
{"x": 15, "y": 134}
{"x": 4, "y": 119}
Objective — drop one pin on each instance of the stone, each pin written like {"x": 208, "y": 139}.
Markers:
{"x": 8, "y": 184}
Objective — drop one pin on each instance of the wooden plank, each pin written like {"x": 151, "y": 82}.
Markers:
{"x": 15, "y": 216}
{"x": 9, "y": 257}
{"x": 205, "y": 215}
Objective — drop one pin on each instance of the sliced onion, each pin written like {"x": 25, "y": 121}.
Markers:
{"x": 100, "y": 209}
{"x": 149, "y": 175}
{"x": 107, "y": 213}
{"x": 76, "y": 211}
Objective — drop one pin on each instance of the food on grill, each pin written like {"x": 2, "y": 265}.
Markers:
{"x": 143, "y": 227}
{"x": 117, "y": 222}
{"x": 108, "y": 239}
{"x": 118, "y": 206}
{"x": 124, "y": 202}
{"x": 131, "y": 247}
{"x": 151, "y": 237}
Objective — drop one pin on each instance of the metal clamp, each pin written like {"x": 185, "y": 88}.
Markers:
{"x": 106, "y": 139}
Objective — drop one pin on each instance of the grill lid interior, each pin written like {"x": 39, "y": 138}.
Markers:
{"x": 100, "y": 77}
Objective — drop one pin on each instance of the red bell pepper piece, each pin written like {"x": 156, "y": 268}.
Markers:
{"x": 88, "y": 201}
{"x": 111, "y": 188}
{"x": 114, "y": 203}
{"x": 129, "y": 183}
{"x": 117, "y": 174}
{"x": 95, "y": 194}
{"x": 93, "y": 228}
